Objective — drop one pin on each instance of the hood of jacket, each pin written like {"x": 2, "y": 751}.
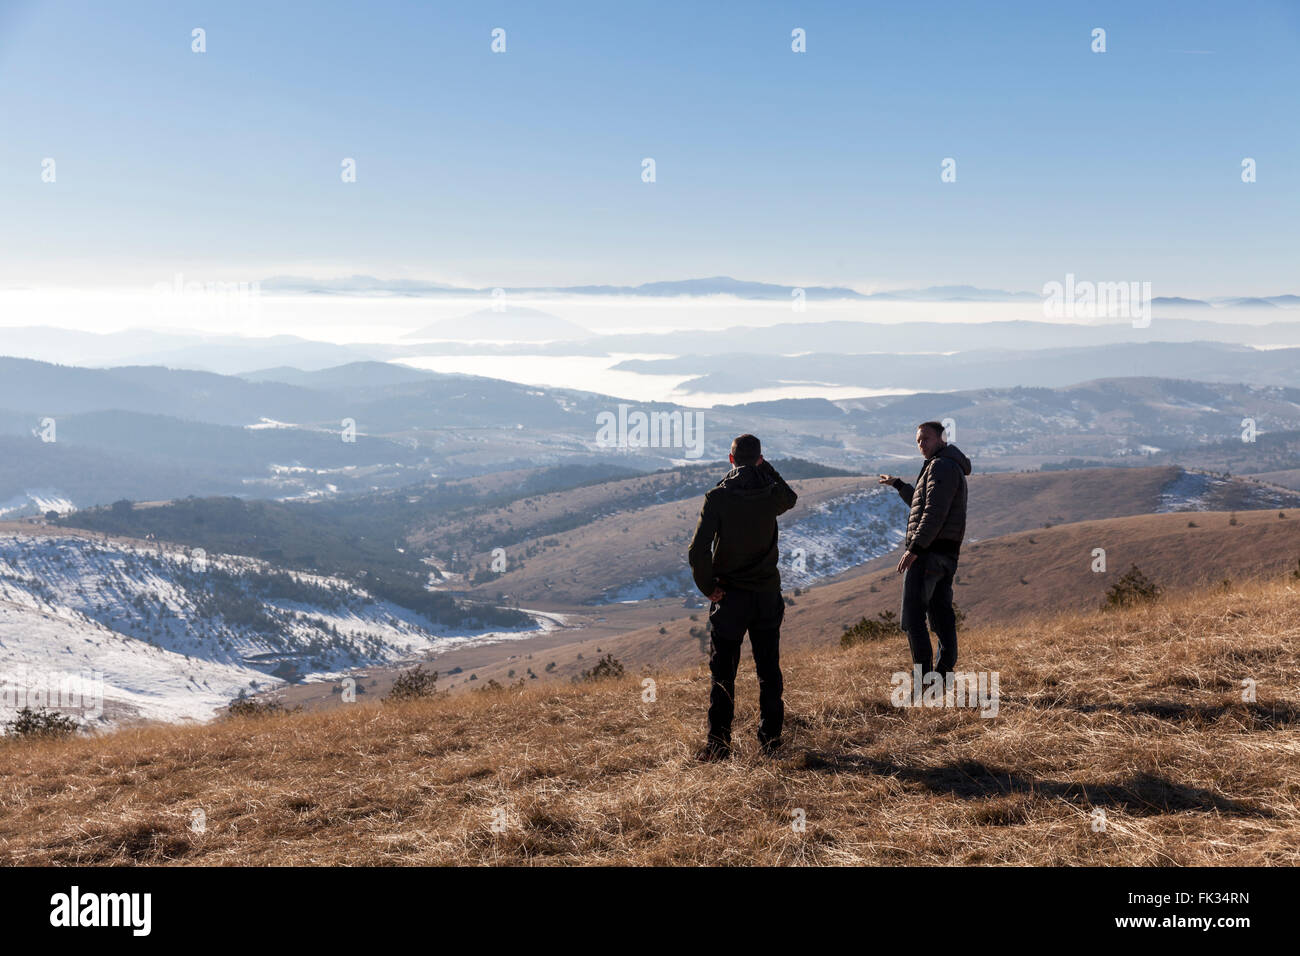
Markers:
{"x": 953, "y": 453}
{"x": 746, "y": 481}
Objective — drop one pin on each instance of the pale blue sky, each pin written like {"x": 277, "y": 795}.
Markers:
{"x": 524, "y": 167}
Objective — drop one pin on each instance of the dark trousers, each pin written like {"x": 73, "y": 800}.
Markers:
{"x": 927, "y": 591}
{"x": 760, "y": 613}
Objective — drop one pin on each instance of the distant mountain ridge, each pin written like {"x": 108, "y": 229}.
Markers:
{"x": 718, "y": 285}
{"x": 989, "y": 368}
{"x": 497, "y": 334}
{"x": 81, "y": 436}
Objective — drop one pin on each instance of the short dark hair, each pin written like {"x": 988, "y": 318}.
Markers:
{"x": 936, "y": 427}
{"x": 746, "y": 449}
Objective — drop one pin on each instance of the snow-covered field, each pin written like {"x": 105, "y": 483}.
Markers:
{"x": 1196, "y": 491}
{"x": 131, "y": 631}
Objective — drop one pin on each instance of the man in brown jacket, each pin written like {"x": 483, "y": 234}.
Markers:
{"x": 733, "y": 558}
{"x": 935, "y": 528}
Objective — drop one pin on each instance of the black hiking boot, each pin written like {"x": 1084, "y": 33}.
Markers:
{"x": 713, "y": 752}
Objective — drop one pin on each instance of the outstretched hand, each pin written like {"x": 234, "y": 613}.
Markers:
{"x": 887, "y": 479}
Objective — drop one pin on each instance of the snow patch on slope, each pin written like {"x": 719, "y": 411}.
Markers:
{"x": 170, "y": 636}
{"x": 841, "y": 534}
{"x": 837, "y": 535}
{"x": 36, "y": 501}
{"x": 1196, "y": 491}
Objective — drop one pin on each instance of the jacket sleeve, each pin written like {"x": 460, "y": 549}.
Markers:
{"x": 940, "y": 489}
{"x": 786, "y": 497}
{"x": 905, "y": 491}
{"x": 700, "y": 554}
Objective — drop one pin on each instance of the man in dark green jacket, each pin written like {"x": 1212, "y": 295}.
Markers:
{"x": 733, "y": 558}
{"x": 935, "y": 528}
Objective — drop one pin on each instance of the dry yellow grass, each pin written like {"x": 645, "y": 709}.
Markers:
{"x": 1137, "y": 713}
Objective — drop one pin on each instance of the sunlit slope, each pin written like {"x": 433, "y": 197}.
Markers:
{"x": 1119, "y": 738}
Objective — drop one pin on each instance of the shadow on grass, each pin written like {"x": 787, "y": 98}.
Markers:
{"x": 1256, "y": 715}
{"x": 1142, "y": 794}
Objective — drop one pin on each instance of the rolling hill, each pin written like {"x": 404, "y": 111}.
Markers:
{"x": 608, "y": 542}
{"x": 1011, "y": 566}
{"x": 175, "y": 633}
{"x": 152, "y": 432}
{"x": 1003, "y": 580}
{"x": 1119, "y": 738}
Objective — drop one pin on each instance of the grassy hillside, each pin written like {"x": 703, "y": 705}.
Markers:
{"x": 581, "y": 544}
{"x": 1135, "y": 713}
{"x": 1033, "y": 571}
{"x": 999, "y": 579}
{"x": 524, "y": 517}
{"x": 1006, "y": 578}
{"x": 607, "y": 551}
{"x": 1004, "y": 503}
{"x": 1287, "y": 478}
